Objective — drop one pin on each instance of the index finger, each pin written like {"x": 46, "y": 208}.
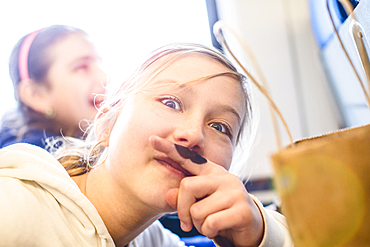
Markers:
{"x": 191, "y": 161}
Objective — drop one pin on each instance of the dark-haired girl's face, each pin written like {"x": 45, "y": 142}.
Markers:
{"x": 75, "y": 77}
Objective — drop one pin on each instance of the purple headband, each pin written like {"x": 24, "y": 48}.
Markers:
{"x": 23, "y": 55}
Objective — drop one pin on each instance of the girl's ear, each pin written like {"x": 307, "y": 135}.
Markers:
{"x": 34, "y": 95}
{"x": 102, "y": 131}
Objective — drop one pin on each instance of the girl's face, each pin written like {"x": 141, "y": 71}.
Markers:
{"x": 204, "y": 116}
{"x": 75, "y": 77}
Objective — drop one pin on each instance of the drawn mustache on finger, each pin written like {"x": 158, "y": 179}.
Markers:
{"x": 187, "y": 153}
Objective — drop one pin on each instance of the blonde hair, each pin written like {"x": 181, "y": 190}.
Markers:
{"x": 78, "y": 156}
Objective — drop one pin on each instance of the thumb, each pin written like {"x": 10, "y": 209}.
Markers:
{"x": 171, "y": 197}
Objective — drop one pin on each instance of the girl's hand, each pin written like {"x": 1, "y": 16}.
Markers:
{"x": 213, "y": 200}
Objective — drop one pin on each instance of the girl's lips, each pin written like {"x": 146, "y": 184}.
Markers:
{"x": 173, "y": 164}
{"x": 96, "y": 101}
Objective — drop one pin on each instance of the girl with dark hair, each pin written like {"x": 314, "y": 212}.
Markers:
{"x": 57, "y": 81}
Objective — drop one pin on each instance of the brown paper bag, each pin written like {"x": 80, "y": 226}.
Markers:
{"x": 324, "y": 182}
{"x": 324, "y": 185}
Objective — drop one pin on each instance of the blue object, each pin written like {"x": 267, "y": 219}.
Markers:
{"x": 198, "y": 241}
{"x": 320, "y": 19}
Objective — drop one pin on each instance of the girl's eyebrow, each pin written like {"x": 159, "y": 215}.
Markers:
{"x": 175, "y": 84}
{"x": 85, "y": 59}
{"x": 230, "y": 109}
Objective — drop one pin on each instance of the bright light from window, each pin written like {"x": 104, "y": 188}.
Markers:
{"x": 123, "y": 31}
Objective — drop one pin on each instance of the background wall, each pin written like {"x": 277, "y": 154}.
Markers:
{"x": 280, "y": 36}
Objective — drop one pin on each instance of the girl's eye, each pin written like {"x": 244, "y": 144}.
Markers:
{"x": 81, "y": 67}
{"x": 221, "y": 127}
{"x": 173, "y": 103}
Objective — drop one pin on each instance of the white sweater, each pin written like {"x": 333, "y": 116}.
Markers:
{"x": 40, "y": 205}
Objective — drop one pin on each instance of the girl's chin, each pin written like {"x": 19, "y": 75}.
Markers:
{"x": 162, "y": 209}
{"x": 169, "y": 209}
{"x": 168, "y": 205}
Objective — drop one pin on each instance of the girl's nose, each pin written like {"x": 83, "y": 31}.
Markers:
{"x": 102, "y": 77}
{"x": 190, "y": 134}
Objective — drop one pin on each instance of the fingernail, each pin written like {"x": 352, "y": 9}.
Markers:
{"x": 185, "y": 227}
{"x": 186, "y": 153}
